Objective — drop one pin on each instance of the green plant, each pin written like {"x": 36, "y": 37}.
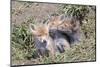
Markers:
{"x": 22, "y": 42}
{"x": 78, "y": 11}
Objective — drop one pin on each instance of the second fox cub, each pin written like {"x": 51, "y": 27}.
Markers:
{"x": 66, "y": 24}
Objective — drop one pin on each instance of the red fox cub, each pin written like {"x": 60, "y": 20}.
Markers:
{"x": 43, "y": 42}
{"x": 68, "y": 25}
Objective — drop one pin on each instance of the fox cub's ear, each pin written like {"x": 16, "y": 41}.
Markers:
{"x": 32, "y": 28}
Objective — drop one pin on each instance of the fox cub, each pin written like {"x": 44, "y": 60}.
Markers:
{"x": 67, "y": 25}
{"x": 43, "y": 42}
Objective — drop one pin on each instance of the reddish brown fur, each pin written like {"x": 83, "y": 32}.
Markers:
{"x": 41, "y": 31}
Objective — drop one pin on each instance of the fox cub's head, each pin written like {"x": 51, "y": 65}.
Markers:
{"x": 55, "y": 21}
{"x": 40, "y": 31}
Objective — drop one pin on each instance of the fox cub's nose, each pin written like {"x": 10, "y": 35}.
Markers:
{"x": 44, "y": 41}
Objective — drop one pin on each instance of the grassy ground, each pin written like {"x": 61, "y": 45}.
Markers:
{"x": 22, "y": 42}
